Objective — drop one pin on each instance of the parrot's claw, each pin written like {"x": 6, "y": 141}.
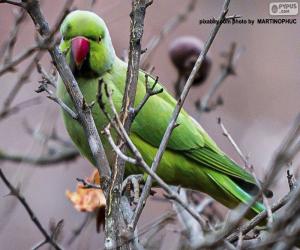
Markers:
{"x": 132, "y": 184}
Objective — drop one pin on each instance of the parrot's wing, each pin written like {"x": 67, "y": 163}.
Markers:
{"x": 188, "y": 137}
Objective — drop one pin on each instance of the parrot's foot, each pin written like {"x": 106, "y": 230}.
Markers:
{"x": 132, "y": 187}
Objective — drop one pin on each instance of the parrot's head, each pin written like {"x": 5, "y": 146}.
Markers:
{"x": 86, "y": 44}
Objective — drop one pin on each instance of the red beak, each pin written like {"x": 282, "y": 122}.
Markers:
{"x": 80, "y": 49}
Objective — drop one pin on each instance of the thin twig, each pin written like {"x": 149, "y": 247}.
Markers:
{"x": 247, "y": 166}
{"x": 258, "y": 219}
{"x": 114, "y": 216}
{"x": 78, "y": 230}
{"x": 228, "y": 69}
{"x": 15, "y": 192}
{"x": 287, "y": 150}
{"x": 26, "y": 73}
{"x": 7, "y": 49}
{"x": 19, "y": 4}
{"x": 19, "y": 58}
{"x": 22, "y": 79}
{"x": 155, "y": 227}
{"x": 233, "y": 143}
{"x": 87, "y": 184}
{"x": 285, "y": 153}
{"x": 150, "y": 91}
{"x": 191, "y": 228}
{"x": 44, "y": 137}
{"x": 53, "y": 159}
{"x": 19, "y": 107}
{"x": 291, "y": 179}
{"x": 54, "y": 234}
{"x": 48, "y": 80}
{"x": 170, "y": 26}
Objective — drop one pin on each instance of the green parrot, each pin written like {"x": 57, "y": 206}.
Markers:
{"x": 192, "y": 159}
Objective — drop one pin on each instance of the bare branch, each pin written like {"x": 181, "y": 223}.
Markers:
{"x": 233, "y": 143}
{"x": 55, "y": 158}
{"x": 284, "y": 229}
{"x": 78, "y": 230}
{"x": 114, "y": 217}
{"x": 172, "y": 123}
{"x": 15, "y": 192}
{"x": 117, "y": 149}
{"x": 22, "y": 79}
{"x": 287, "y": 150}
{"x": 150, "y": 91}
{"x": 22, "y": 56}
{"x": 291, "y": 180}
{"x": 247, "y": 166}
{"x": 43, "y": 137}
{"x": 7, "y": 49}
{"x": 19, "y": 4}
{"x": 26, "y": 73}
{"x": 228, "y": 69}
{"x": 191, "y": 228}
{"x": 170, "y": 26}
{"x": 87, "y": 184}
{"x": 46, "y": 79}
{"x": 258, "y": 219}
{"x": 19, "y": 107}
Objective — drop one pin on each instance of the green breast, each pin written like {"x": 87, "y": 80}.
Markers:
{"x": 75, "y": 130}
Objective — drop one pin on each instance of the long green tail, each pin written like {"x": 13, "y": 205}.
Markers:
{"x": 234, "y": 191}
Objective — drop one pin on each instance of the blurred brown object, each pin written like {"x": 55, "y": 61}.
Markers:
{"x": 89, "y": 199}
{"x": 184, "y": 52}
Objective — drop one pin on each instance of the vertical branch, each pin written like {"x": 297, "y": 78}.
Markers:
{"x": 172, "y": 123}
{"x": 113, "y": 212}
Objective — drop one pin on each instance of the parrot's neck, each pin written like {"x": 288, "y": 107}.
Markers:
{"x": 117, "y": 73}
{"x": 118, "y": 66}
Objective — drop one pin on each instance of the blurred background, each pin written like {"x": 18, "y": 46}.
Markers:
{"x": 260, "y": 104}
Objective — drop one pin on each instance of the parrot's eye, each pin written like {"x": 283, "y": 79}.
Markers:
{"x": 65, "y": 38}
{"x": 98, "y": 39}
